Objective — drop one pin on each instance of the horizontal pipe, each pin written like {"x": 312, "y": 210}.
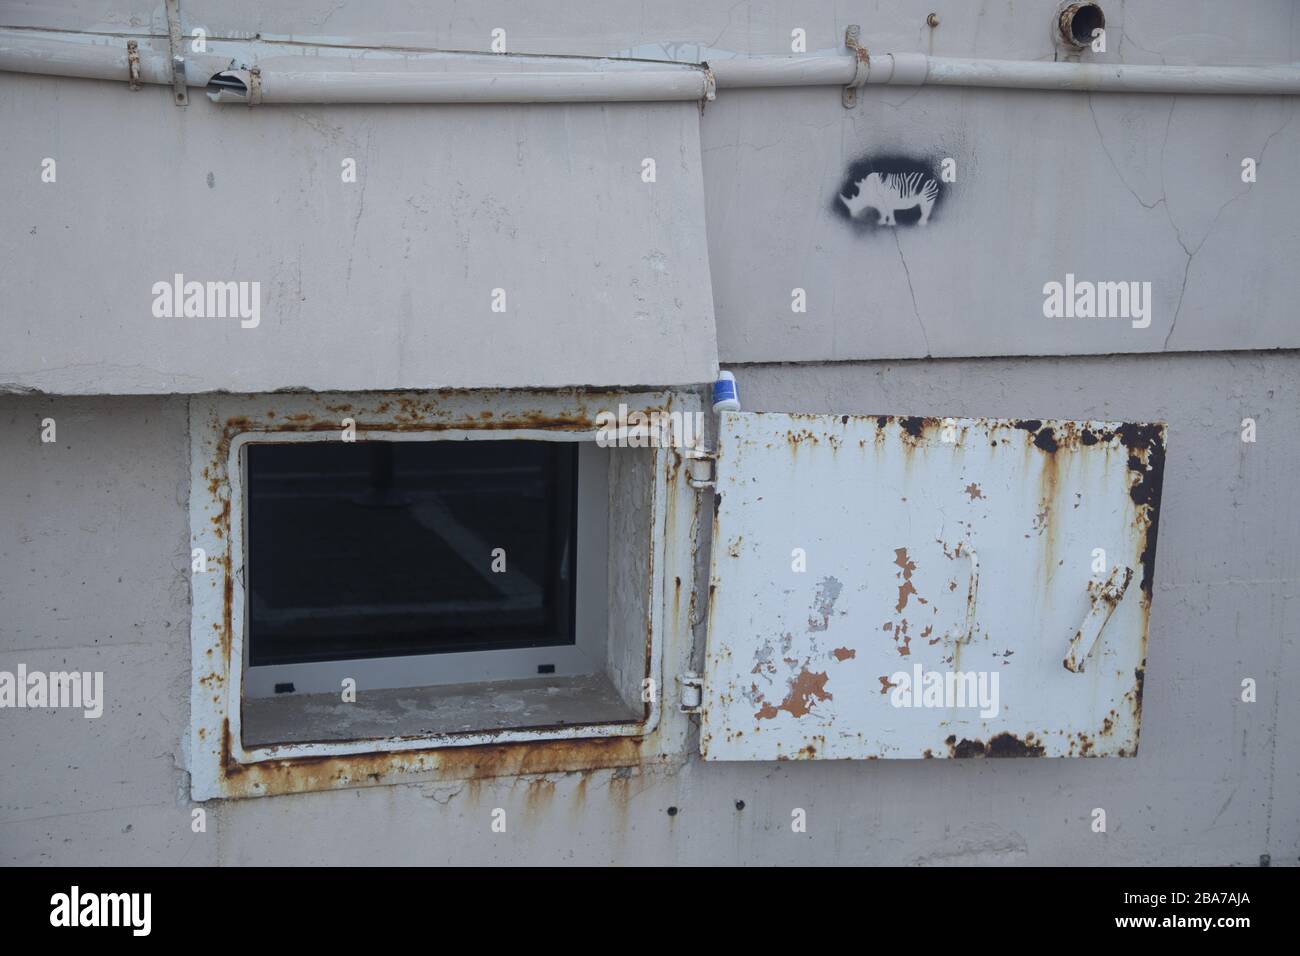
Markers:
{"x": 99, "y": 58}
{"x": 762, "y": 71}
{"x": 375, "y": 76}
{"x": 313, "y": 86}
{"x": 917, "y": 69}
{"x": 1098, "y": 77}
{"x": 416, "y": 78}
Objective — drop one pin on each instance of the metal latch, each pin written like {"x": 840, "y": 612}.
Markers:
{"x": 861, "y": 66}
{"x": 692, "y": 692}
{"x": 1105, "y": 597}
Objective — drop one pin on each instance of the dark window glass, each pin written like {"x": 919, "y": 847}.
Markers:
{"x": 376, "y": 549}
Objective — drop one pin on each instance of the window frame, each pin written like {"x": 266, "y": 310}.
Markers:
{"x": 383, "y": 673}
{"x": 222, "y": 767}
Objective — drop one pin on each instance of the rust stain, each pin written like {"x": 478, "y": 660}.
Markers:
{"x": 844, "y": 653}
{"x": 1003, "y": 745}
{"x": 804, "y": 691}
{"x": 885, "y": 684}
{"x": 524, "y": 758}
{"x": 1146, "y": 463}
{"x": 539, "y": 794}
{"x": 906, "y": 588}
{"x": 974, "y": 491}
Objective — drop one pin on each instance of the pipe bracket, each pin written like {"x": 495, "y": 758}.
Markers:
{"x": 254, "y": 86}
{"x": 174, "y": 36}
{"x": 133, "y": 64}
{"x": 861, "y": 66}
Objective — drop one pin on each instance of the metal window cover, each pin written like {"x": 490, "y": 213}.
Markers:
{"x": 385, "y": 283}
{"x": 967, "y": 556}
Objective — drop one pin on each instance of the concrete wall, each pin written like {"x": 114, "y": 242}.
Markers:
{"x": 1107, "y": 187}
{"x": 93, "y": 574}
{"x": 94, "y": 528}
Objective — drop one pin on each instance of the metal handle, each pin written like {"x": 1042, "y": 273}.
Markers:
{"x": 972, "y": 594}
{"x": 1105, "y": 597}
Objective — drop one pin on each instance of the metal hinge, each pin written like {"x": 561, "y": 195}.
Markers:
{"x": 861, "y": 66}
{"x": 692, "y": 692}
{"x": 701, "y": 454}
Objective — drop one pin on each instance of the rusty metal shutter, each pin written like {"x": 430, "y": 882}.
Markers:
{"x": 1019, "y": 552}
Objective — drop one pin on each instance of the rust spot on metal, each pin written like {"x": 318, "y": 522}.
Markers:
{"x": 844, "y": 653}
{"x": 906, "y": 588}
{"x": 1146, "y": 461}
{"x": 1003, "y": 745}
{"x": 227, "y": 600}
{"x": 298, "y": 774}
{"x": 913, "y": 426}
{"x": 804, "y": 691}
{"x": 885, "y": 684}
{"x": 974, "y": 491}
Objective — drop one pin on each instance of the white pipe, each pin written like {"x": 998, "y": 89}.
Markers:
{"x": 316, "y": 86}
{"x": 917, "y": 69}
{"x": 99, "y": 58}
{"x": 293, "y": 75}
{"x": 413, "y": 78}
{"x": 813, "y": 69}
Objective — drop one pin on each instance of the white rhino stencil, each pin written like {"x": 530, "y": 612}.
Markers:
{"x": 891, "y": 193}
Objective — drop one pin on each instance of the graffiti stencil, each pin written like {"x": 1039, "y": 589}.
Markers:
{"x": 888, "y": 191}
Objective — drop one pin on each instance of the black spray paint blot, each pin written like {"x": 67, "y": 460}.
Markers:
{"x": 886, "y": 164}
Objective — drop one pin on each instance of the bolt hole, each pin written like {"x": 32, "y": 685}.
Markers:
{"x": 1077, "y": 22}
{"x": 672, "y": 811}
{"x": 740, "y": 804}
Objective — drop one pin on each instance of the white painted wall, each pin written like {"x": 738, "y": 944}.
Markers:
{"x": 93, "y": 530}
